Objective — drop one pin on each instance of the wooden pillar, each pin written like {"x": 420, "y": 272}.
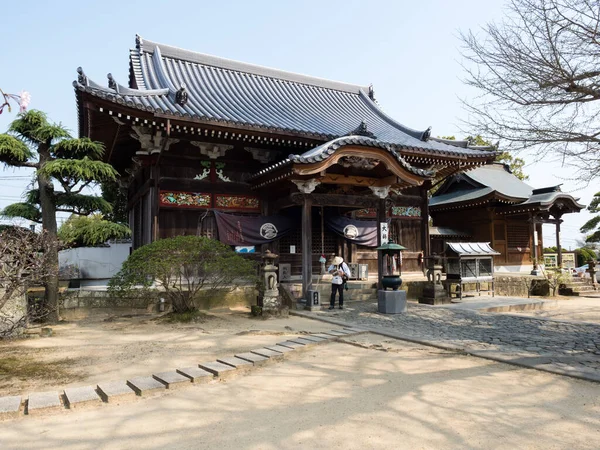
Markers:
{"x": 154, "y": 201}
{"x": 306, "y": 246}
{"x": 381, "y": 217}
{"x": 534, "y": 249}
{"x": 558, "y": 247}
{"x": 425, "y": 245}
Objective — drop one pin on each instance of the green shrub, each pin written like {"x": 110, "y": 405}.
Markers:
{"x": 182, "y": 267}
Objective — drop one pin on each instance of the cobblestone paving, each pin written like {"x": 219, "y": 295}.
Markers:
{"x": 568, "y": 346}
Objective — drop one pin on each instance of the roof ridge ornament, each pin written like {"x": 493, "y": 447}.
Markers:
{"x": 139, "y": 42}
{"x": 426, "y": 134}
{"x": 82, "y": 78}
{"x": 362, "y": 130}
{"x": 372, "y": 92}
{"x": 111, "y": 82}
{"x": 181, "y": 96}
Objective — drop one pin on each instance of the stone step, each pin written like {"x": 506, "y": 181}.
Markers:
{"x": 115, "y": 391}
{"x": 81, "y": 396}
{"x": 311, "y": 340}
{"x": 240, "y": 364}
{"x": 9, "y": 407}
{"x": 196, "y": 374}
{"x": 219, "y": 369}
{"x": 43, "y": 402}
{"x": 145, "y": 385}
{"x": 272, "y": 355}
{"x": 292, "y": 344}
{"x": 172, "y": 379}
{"x": 280, "y": 349}
{"x": 257, "y": 360}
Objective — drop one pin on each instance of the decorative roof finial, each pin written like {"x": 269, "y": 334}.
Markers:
{"x": 181, "y": 96}
{"x": 81, "y": 78}
{"x": 362, "y": 130}
{"x": 139, "y": 42}
{"x": 111, "y": 82}
{"x": 426, "y": 134}
{"x": 371, "y": 92}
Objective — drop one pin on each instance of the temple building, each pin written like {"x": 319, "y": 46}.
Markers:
{"x": 490, "y": 204}
{"x": 262, "y": 158}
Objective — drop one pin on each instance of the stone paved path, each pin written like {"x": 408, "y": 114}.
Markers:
{"x": 558, "y": 346}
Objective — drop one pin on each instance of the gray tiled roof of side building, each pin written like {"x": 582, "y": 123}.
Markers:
{"x": 227, "y": 91}
{"x": 497, "y": 178}
{"x": 459, "y": 196}
{"x": 487, "y": 179}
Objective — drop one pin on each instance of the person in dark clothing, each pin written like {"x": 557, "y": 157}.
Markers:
{"x": 341, "y": 272}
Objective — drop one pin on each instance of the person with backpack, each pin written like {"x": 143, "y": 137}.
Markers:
{"x": 341, "y": 272}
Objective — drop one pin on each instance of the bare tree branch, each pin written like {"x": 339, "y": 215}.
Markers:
{"x": 538, "y": 77}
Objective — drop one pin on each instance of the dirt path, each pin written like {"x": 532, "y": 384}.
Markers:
{"x": 106, "y": 348}
{"x": 376, "y": 393}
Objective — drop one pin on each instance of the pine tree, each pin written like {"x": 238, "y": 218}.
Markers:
{"x": 58, "y": 159}
{"x": 592, "y": 226}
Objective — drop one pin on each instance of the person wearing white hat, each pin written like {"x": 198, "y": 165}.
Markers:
{"x": 341, "y": 272}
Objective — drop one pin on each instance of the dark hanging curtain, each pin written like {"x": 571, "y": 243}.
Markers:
{"x": 361, "y": 232}
{"x": 252, "y": 230}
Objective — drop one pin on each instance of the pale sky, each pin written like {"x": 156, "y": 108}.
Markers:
{"x": 409, "y": 51}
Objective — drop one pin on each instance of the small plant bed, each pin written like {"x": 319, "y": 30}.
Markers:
{"x": 20, "y": 367}
{"x": 186, "y": 317}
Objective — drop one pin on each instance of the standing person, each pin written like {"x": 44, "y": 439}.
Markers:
{"x": 340, "y": 271}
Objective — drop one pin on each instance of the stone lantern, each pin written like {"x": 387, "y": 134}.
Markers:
{"x": 394, "y": 301}
{"x": 433, "y": 291}
{"x": 592, "y": 271}
{"x": 269, "y": 297}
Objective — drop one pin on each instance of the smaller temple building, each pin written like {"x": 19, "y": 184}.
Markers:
{"x": 490, "y": 204}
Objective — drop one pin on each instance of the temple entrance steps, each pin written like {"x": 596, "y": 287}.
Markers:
{"x": 577, "y": 286}
{"x": 357, "y": 291}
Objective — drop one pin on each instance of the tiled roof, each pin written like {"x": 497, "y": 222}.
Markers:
{"x": 326, "y": 150}
{"x": 497, "y": 179}
{"x": 181, "y": 83}
{"x": 481, "y": 182}
{"x": 446, "y": 232}
{"x": 472, "y": 248}
{"x": 547, "y": 196}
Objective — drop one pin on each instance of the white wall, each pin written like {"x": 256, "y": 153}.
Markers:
{"x": 92, "y": 263}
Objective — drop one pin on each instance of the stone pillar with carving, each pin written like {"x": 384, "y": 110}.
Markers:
{"x": 268, "y": 294}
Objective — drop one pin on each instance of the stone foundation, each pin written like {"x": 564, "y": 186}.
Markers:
{"x": 79, "y": 304}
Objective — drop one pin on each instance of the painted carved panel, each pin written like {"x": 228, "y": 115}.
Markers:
{"x": 406, "y": 211}
{"x": 185, "y": 199}
{"x": 244, "y": 202}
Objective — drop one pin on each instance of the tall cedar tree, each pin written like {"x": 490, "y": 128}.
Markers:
{"x": 72, "y": 164}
